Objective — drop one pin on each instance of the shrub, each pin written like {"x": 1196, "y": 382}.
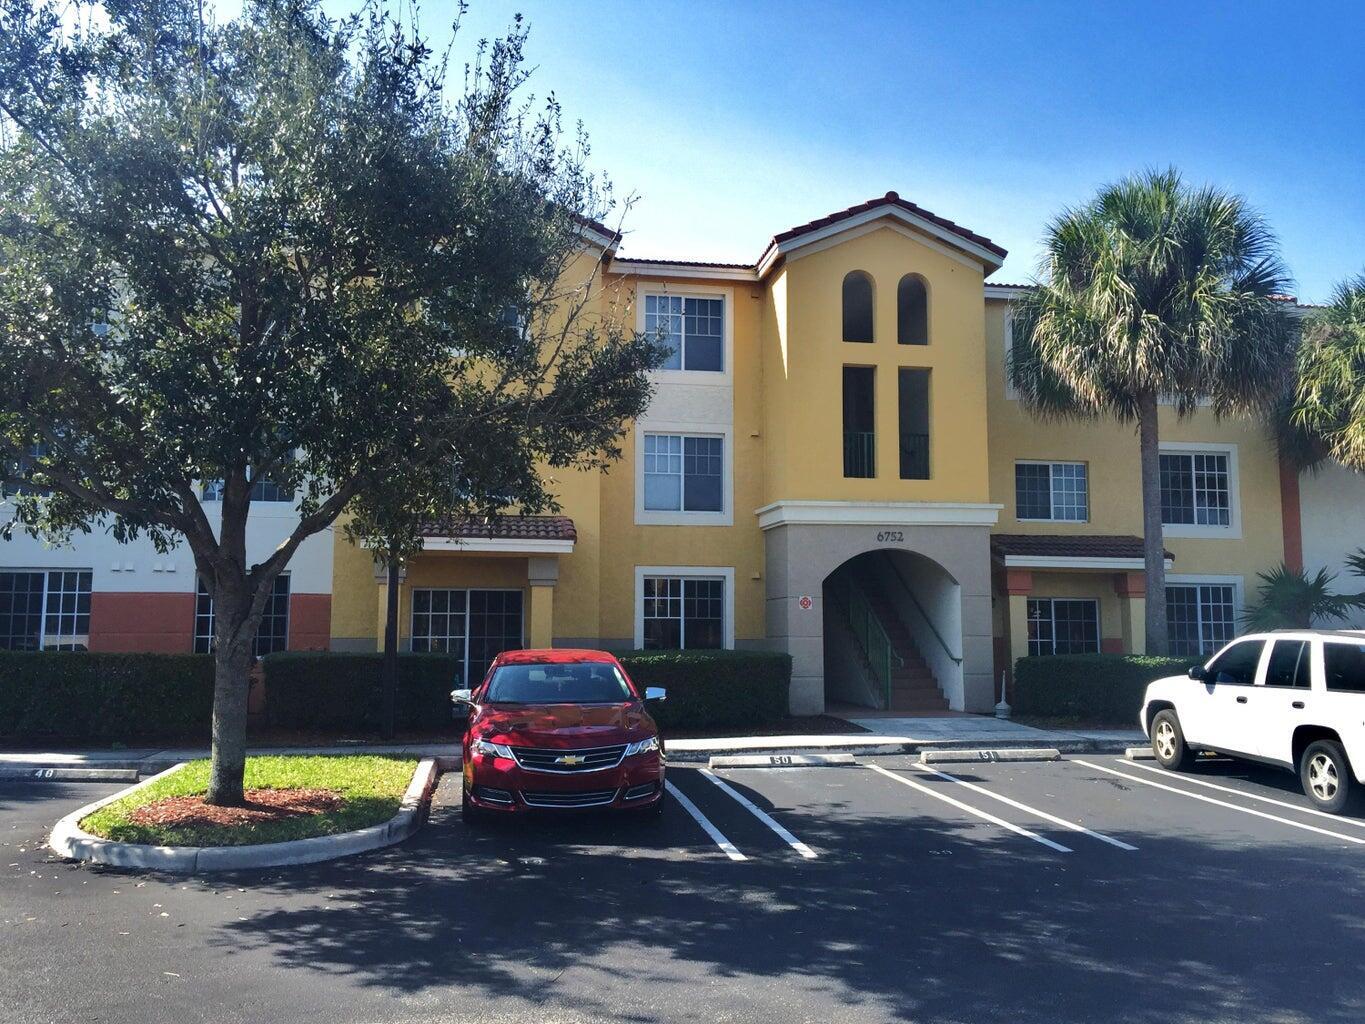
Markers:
{"x": 1100, "y": 688}
{"x": 81, "y": 697}
{"x": 321, "y": 691}
{"x": 708, "y": 689}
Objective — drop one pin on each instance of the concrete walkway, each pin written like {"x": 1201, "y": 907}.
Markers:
{"x": 884, "y": 736}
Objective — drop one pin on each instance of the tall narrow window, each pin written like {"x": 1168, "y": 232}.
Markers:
{"x": 912, "y": 311}
{"x": 914, "y": 424}
{"x": 857, "y": 306}
{"x": 860, "y": 440}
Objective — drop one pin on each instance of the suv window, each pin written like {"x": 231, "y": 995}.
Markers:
{"x": 1290, "y": 664}
{"x": 1237, "y": 665}
{"x": 1344, "y": 666}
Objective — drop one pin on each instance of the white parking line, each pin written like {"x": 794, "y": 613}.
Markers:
{"x": 761, "y": 815}
{"x": 716, "y": 835}
{"x": 1222, "y": 803}
{"x": 1025, "y": 807}
{"x": 1256, "y": 796}
{"x": 927, "y": 791}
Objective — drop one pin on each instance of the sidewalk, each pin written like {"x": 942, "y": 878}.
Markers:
{"x": 884, "y": 736}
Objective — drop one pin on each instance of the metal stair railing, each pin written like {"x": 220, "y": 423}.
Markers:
{"x": 895, "y": 569}
{"x": 867, "y": 630}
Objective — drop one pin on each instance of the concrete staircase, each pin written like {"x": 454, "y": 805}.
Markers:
{"x": 913, "y": 687}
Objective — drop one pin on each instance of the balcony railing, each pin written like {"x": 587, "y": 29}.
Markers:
{"x": 860, "y": 453}
{"x": 914, "y": 456}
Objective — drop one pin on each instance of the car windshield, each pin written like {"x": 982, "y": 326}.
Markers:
{"x": 570, "y": 683}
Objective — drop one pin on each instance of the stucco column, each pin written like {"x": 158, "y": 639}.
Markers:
{"x": 541, "y": 576}
{"x": 1018, "y": 587}
{"x": 1131, "y": 587}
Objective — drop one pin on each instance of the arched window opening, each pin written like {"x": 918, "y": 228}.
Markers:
{"x": 912, "y": 311}
{"x": 857, "y": 306}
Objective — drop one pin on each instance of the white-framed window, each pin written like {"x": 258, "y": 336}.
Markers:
{"x": 1199, "y": 490}
{"x": 684, "y": 473}
{"x": 45, "y": 609}
{"x": 1201, "y": 616}
{"x": 693, "y": 326}
{"x": 1063, "y": 626}
{"x": 684, "y": 607}
{"x": 273, "y": 634}
{"x": 474, "y": 625}
{"x": 1054, "y": 491}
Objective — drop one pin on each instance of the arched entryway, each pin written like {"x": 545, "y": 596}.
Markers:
{"x": 892, "y": 629}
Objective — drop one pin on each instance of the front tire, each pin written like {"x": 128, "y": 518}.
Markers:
{"x": 1168, "y": 742}
{"x": 1325, "y": 775}
{"x": 469, "y": 814}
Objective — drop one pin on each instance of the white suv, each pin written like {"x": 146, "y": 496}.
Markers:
{"x": 1295, "y": 699}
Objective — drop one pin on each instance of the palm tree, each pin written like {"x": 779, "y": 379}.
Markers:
{"x": 1329, "y": 393}
{"x": 1154, "y": 292}
{"x": 1291, "y": 599}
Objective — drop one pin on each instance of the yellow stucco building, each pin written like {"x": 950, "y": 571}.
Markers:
{"x": 834, "y": 465}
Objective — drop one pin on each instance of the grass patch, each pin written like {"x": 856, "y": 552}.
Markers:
{"x": 371, "y": 788}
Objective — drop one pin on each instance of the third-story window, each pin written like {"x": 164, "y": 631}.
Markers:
{"x": 914, "y": 423}
{"x": 1058, "y": 626}
{"x": 860, "y": 448}
{"x": 1200, "y": 618}
{"x": 694, "y": 328}
{"x": 912, "y": 311}
{"x": 684, "y": 473}
{"x": 683, "y": 612}
{"x": 1195, "y": 489}
{"x": 1051, "y": 490}
{"x": 857, "y": 300}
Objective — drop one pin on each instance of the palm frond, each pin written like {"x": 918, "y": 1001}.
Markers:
{"x": 1290, "y": 599}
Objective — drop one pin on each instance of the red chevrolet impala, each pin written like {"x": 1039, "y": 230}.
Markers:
{"x": 557, "y": 730}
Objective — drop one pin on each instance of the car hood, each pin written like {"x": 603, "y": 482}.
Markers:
{"x": 564, "y": 726}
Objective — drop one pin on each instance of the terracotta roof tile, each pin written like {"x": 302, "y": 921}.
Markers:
{"x": 516, "y": 527}
{"x": 685, "y": 263}
{"x": 1067, "y": 546}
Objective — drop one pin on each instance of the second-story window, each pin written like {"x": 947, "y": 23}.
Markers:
{"x": 1057, "y": 491}
{"x": 1196, "y": 489}
{"x": 684, "y": 473}
{"x": 694, "y": 328}
{"x": 860, "y": 439}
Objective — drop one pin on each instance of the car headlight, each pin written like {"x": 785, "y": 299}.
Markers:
{"x": 492, "y": 749}
{"x": 644, "y": 746}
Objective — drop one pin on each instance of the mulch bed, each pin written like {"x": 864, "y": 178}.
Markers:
{"x": 262, "y": 805}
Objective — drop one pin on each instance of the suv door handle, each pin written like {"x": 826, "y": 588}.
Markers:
{"x": 1241, "y": 700}
{"x": 1298, "y": 705}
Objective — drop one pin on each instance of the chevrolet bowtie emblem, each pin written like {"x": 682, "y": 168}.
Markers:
{"x": 570, "y": 759}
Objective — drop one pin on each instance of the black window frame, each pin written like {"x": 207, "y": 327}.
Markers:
{"x": 1047, "y": 646}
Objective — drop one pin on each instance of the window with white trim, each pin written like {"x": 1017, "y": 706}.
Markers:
{"x": 684, "y": 473}
{"x": 261, "y": 490}
{"x": 1196, "y": 489}
{"x": 45, "y": 610}
{"x": 693, "y": 327}
{"x": 473, "y": 625}
{"x": 1055, "y": 491}
{"x": 273, "y": 634}
{"x": 683, "y": 612}
{"x": 1063, "y": 626}
{"x": 1200, "y": 617}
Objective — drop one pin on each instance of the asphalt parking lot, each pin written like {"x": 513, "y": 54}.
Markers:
{"x": 1088, "y": 889}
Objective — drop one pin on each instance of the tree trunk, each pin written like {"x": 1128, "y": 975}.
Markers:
{"x": 1153, "y": 542}
{"x": 390, "y": 666}
{"x": 231, "y": 681}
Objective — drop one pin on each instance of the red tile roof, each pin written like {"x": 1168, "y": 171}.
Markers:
{"x": 685, "y": 263}
{"x": 890, "y": 199}
{"x": 1067, "y": 546}
{"x": 516, "y": 527}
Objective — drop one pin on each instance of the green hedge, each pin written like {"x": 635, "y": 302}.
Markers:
{"x": 321, "y": 691}
{"x": 710, "y": 689}
{"x": 81, "y": 697}
{"x": 1100, "y": 688}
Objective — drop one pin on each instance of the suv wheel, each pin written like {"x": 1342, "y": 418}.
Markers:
{"x": 1168, "y": 742}
{"x": 1326, "y": 776}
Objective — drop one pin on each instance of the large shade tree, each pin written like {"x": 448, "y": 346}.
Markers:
{"x": 1152, "y": 293}
{"x": 274, "y": 249}
{"x": 1328, "y": 406}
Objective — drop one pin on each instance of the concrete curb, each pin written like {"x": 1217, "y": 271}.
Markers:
{"x": 874, "y": 746}
{"x": 781, "y": 761}
{"x": 1139, "y": 754}
{"x": 56, "y": 774}
{"x": 967, "y": 756}
{"x": 69, "y": 840}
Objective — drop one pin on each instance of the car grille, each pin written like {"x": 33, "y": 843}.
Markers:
{"x": 585, "y": 798}
{"x": 589, "y": 759}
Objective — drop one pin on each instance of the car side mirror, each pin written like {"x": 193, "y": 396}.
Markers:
{"x": 1198, "y": 673}
{"x": 462, "y": 696}
{"x": 655, "y": 693}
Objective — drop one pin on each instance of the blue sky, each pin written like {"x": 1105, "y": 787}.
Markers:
{"x": 735, "y": 120}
